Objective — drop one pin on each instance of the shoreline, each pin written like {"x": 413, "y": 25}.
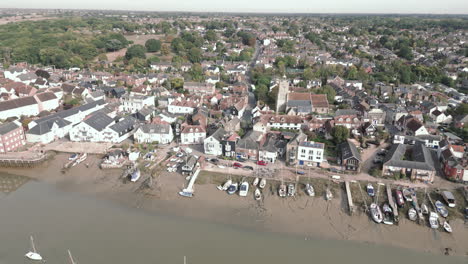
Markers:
{"x": 300, "y": 216}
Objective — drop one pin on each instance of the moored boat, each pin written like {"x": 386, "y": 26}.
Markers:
{"x": 262, "y": 183}
{"x": 407, "y": 193}
{"x": 370, "y": 190}
{"x": 256, "y": 181}
{"x": 441, "y": 209}
{"x": 135, "y": 175}
{"x": 387, "y": 214}
{"x": 433, "y": 220}
{"x": 226, "y": 185}
{"x": 282, "y": 190}
{"x": 399, "y": 198}
{"x": 33, "y": 255}
{"x": 376, "y": 213}
{"x": 328, "y": 194}
{"x": 232, "y": 189}
{"x": 244, "y": 189}
{"x": 310, "y": 190}
{"x": 425, "y": 209}
{"x": 412, "y": 214}
{"x": 257, "y": 194}
{"x": 291, "y": 189}
{"x": 447, "y": 227}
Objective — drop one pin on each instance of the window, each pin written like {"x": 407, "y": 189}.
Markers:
{"x": 311, "y": 157}
{"x": 303, "y": 151}
{"x": 311, "y": 152}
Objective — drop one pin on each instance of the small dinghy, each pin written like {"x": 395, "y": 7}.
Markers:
{"x": 399, "y": 198}
{"x": 257, "y": 195}
{"x": 244, "y": 189}
{"x": 425, "y": 209}
{"x": 255, "y": 182}
{"x": 33, "y": 255}
{"x": 232, "y": 189}
{"x": 441, "y": 209}
{"x": 407, "y": 193}
{"x": 282, "y": 190}
{"x": 447, "y": 227}
{"x": 376, "y": 213}
{"x": 225, "y": 185}
{"x": 262, "y": 183}
{"x": 310, "y": 190}
{"x": 412, "y": 214}
{"x": 387, "y": 214}
{"x": 328, "y": 194}
{"x": 291, "y": 189}
{"x": 135, "y": 175}
{"x": 434, "y": 220}
{"x": 370, "y": 190}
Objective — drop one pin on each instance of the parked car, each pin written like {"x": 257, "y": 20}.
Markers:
{"x": 248, "y": 168}
{"x": 300, "y": 172}
{"x": 214, "y": 161}
{"x": 262, "y": 163}
{"x": 241, "y": 159}
{"x": 237, "y": 165}
{"x": 179, "y": 154}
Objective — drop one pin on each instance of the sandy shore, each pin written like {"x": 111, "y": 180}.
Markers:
{"x": 302, "y": 215}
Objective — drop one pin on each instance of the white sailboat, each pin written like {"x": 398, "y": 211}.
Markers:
{"x": 257, "y": 195}
{"x": 262, "y": 183}
{"x": 33, "y": 255}
{"x": 255, "y": 182}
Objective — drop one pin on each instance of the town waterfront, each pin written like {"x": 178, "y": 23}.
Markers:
{"x": 101, "y": 231}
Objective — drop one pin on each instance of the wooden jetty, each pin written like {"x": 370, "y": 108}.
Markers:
{"x": 392, "y": 203}
{"x": 416, "y": 206}
{"x": 350, "y": 198}
{"x": 21, "y": 161}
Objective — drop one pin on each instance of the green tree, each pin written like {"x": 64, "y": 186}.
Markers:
{"x": 135, "y": 51}
{"x": 153, "y": 45}
{"x": 329, "y": 91}
{"x": 339, "y": 134}
{"x": 195, "y": 55}
{"x": 211, "y": 35}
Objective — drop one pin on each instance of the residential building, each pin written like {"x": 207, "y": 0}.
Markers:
{"x": 213, "y": 144}
{"x": 192, "y": 134}
{"x": 134, "y": 103}
{"x": 349, "y": 156}
{"x": 310, "y": 153}
{"x": 11, "y": 136}
{"x": 149, "y": 133}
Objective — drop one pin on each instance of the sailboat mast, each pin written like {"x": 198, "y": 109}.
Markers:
{"x": 71, "y": 258}
{"x": 32, "y": 245}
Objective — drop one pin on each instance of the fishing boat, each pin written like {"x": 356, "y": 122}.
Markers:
{"x": 387, "y": 214}
{"x": 82, "y": 157}
{"x": 225, "y": 186}
{"x": 244, "y": 189}
{"x": 232, "y": 189}
{"x": 370, "y": 190}
{"x": 310, "y": 190}
{"x": 447, "y": 227}
{"x": 376, "y": 213}
{"x": 291, "y": 189}
{"x": 256, "y": 181}
{"x": 399, "y": 198}
{"x": 425, "y": 209}
{"x": 441, "y": 209}
{"x": 33, "y": 255}
{"x": 282, "y": 190}
{"x": 328, "y": 194}
{"x": 434, "y": 220}
{"x": 73, "y": 156}
{"x": 257, "y": 194}
{"x": 262, "y": 183}
{"x": 407, "y": 193}
{"x": 412, "y": 214}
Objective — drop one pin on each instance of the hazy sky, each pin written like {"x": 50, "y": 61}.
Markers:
{"x": 301, "y": 6}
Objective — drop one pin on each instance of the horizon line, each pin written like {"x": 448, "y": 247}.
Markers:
{"x": 239, "y": 12}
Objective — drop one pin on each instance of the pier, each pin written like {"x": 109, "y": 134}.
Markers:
{"x": 188, "y": 192}
{"x": 350, "y": 198}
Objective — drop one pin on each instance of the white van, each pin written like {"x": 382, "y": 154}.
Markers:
{"x": 449, "y": 198}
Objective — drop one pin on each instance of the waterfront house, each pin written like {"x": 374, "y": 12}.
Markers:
{"x": 159, "y": 133}
{"x": 190, "y": 165}
{"x": 213, "y": 144}
{"x": 414, "y": 162}
{"x": 11, "y": 136}
{"x": 349, "y": 156}
{"x": 192, "y": 134}
{"x": 49, "y": 129}
{"x": 310, "y": 153}
{"x": 134, "y": 103}
{"x": 292, "y": 147}
{"x": 91, "y": 129}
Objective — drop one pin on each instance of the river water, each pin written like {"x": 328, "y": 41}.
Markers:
{"x": 100, "y": 231}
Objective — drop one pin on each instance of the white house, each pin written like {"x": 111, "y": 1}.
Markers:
{"x": 181, "y": 107}
{"x": 134, "y": 103}
{"x": 49, "y": 130}
{"x": 192, "y": 134}
{"x": 24, "y": 106}
{"x": 120, "y": 131}
{"x": 14, "y": 72}
{"x": 91, "y": 129}
{"x": 212, "y": 144}
{"x": 47, "y": 101}
{"x": 161, "y": 133}
{"x": 310, "y": 153}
